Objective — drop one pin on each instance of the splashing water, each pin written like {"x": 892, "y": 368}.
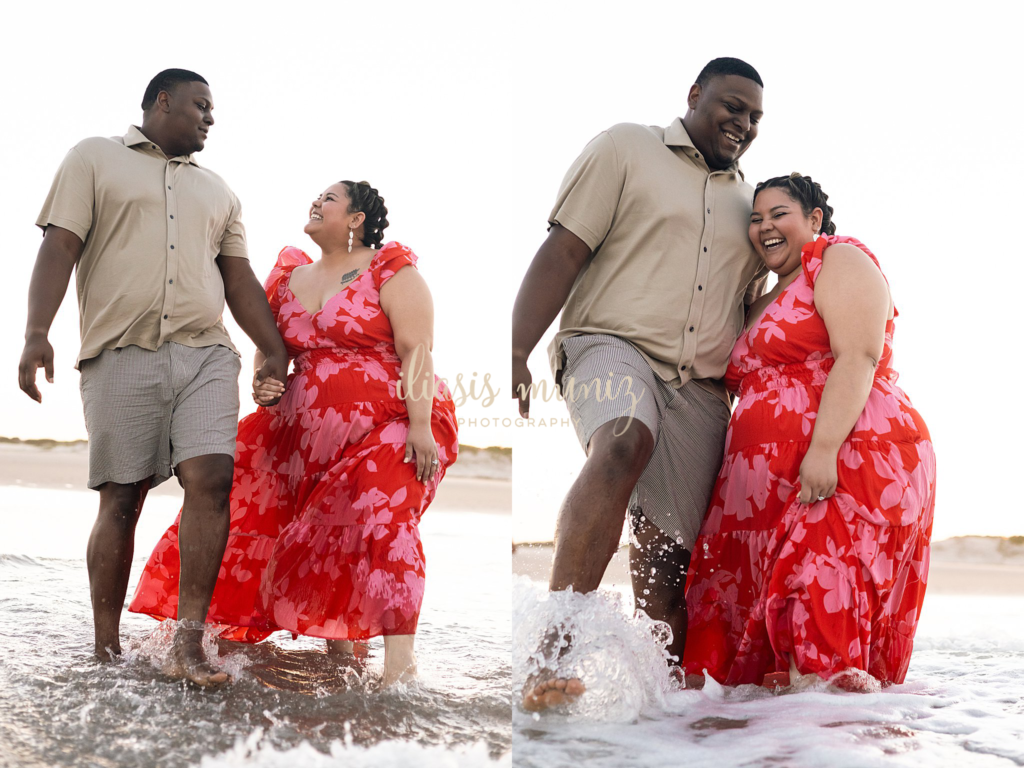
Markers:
{"x": 621, "y": 659}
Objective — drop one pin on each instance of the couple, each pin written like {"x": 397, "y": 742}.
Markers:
{"x": 810, "y": 550}
{"x": 304, "y": 516}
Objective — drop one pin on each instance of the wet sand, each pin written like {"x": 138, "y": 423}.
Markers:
{"x": 947, "y": 575}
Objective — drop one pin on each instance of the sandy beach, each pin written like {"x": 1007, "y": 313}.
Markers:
{"x": 481, "y": 479}
{"x": 966, "y": 565}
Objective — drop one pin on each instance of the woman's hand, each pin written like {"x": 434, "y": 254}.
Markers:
{"x": 266, "y": 391}
{"x": 421, "y": 448}
{"x": 819, "y": 475}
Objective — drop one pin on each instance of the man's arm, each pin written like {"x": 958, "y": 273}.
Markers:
{"x": 541, "y": 297}
{"x": 57, "y": 258}
{"x": 248, "y": 304}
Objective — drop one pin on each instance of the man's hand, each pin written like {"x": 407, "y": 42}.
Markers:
{"x": 37, "y": 354}
{"x": 269, "y": 379}
{"x": 57, "y": 257}
{"x": 541, "y": 297}
{"x": 521, "y": 383}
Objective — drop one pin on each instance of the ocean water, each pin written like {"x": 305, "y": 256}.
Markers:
{"x": 962, "y": 703}
{"x": 288, "y": 704}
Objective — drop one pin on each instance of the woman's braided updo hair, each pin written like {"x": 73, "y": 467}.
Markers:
{"x": 807, "y": 192}
{"x": 364, "y": 198}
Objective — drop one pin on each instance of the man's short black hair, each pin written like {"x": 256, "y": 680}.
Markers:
{"x": 165, "y": 81}
{"x": 727, "y": 66}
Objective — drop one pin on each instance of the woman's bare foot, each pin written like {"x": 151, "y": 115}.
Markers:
{"x": 346, "y": 649}
{"x": 187, "y": 662}
{"x": 399, "y": 660}
{"x": 552, "y": 692}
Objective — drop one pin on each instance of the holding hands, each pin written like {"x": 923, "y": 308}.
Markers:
{"x": 268, "y": 381}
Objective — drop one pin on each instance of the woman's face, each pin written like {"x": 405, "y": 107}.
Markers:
{"x": 779, "y": 229}
{"x": 329, "y": 219}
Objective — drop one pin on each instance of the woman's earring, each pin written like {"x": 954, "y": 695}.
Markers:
{"x": 351, "y": 235}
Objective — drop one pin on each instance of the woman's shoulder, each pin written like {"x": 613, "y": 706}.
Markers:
{"x": 291, "y": 257}
{"x": 392, "y": 257}
{"x": 288, "y": 259}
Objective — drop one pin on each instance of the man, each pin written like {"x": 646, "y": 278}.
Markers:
{"x": 159, "y": 245}
{"x": 648, "y": 259}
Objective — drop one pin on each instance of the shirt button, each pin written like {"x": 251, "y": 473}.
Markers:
{"x": 705, "y": 249}
{"x": 683, "y": 368}
{"x": 165, "y": 317}
{"x": 172, "y": 215}
{"x": 168, "y": 187}
{"x": 700, "y": 287}
{"x": 709, "y": 210}
{"x": 171, "y": 282}
{"x": 172, "y": 247}
{"x": 691, "y": 329}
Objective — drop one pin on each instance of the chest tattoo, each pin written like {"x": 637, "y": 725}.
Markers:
{"x": 349, "y": 276}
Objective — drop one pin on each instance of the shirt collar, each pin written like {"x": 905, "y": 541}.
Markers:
{"x": 676, "y": 136}
{"x": 135, "y": 137}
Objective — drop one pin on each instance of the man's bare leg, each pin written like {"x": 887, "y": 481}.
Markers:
{"x": 109, "y": 558}
{"x": 587, "y": 534}
{"x": 202, "y": 536}
{"x": 657, "y": 568}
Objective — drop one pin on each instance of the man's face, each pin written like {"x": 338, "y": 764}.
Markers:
{"x": 723, "y": 118}
{"x": 189, "y": 116}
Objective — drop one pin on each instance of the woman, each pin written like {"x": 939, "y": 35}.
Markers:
{"x": 330, "y": 482}
{"x": 813, "y": 557}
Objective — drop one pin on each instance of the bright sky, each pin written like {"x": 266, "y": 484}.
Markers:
{"x": 466, "y": 115}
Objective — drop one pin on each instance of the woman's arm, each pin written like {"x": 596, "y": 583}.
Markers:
{"x": 852, "y": 298}
{"x": 406, "y": 301}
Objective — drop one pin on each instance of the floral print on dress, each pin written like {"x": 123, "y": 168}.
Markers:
{"x": 833, "y": 585}
{"x": 325, "y": 512}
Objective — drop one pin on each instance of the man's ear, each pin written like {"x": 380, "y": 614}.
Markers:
{"x": 693, "y": 97}
{"x": 163, "y": 101}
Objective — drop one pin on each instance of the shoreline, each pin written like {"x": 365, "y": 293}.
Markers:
{"x": 947, "y": 574}
{"x": 481, "y": 483}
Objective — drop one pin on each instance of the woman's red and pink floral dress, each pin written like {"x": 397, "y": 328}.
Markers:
{"x": 324, "y": 512}
{"x": 834, "y": 585}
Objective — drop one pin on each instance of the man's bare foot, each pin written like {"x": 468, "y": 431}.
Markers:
{"x": 187, "y": 662}
{"x": 107, "y": 652}
{"x": 552, "y": 692}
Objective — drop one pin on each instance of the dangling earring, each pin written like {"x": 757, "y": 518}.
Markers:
{"x": 351, "y": 235}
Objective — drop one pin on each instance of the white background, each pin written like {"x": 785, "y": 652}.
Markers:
{"x": 466, "y": 115}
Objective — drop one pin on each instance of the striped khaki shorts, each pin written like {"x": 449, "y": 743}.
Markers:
{"x": 146, "y": 412}
{"x": 605, "y": 378}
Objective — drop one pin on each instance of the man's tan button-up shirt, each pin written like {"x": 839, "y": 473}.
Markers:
{"x": 672, "y": 266}
{"x": 153, "y": 227}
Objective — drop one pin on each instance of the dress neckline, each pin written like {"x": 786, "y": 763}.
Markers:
{"x": 360, "y": 276}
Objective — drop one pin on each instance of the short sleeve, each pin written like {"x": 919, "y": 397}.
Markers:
{"x": 232, "y": 242}
{"x": 811, "y": 258}
{"x": 590, "y": 192}
{"x": 70, "y": 203}
{"x": 289, "y": 258}
{"x": 391, "y": 258}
